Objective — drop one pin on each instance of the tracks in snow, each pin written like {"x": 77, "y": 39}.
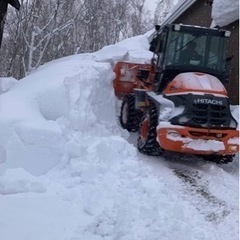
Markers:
{"x": 211, "y": 207}
{"x": 193, "y": 181}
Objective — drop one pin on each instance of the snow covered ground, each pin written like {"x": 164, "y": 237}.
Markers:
{"x": 69, "y": 172}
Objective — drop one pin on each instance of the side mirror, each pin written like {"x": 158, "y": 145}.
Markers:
{"x": 229, "y": 59}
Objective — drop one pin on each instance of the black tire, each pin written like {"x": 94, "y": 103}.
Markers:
{"x": 147, "y": 142}
{"x": 129, "y": 116}
{"x": 219, "y": 159}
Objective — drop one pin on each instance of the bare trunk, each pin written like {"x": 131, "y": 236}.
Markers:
{"x": 3, "y": 11}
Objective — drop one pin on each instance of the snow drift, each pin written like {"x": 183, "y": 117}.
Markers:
{"x": 75, "y": 91}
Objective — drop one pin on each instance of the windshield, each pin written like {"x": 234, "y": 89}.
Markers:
{"x": 203, "y": 51}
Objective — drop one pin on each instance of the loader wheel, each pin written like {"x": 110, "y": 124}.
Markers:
{"x": 147, "y": 142}
{"x": 129, "y": 116}
{"x": 219, "y": 159}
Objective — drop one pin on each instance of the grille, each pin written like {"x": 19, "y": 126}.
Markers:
{"x": 205, "y": 111}
{"x": 209, "y": 114}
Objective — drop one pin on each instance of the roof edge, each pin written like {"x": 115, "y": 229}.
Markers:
{"x": 177, "y": 11}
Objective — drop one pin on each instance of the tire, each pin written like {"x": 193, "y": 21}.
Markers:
{"x": 147, "y": 142}
{"x": 129, "y": 116}
{"x": 219, "y": 159}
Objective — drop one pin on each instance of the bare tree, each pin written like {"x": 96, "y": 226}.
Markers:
{"x": 162, "y": 10}
{"x": 36, "y": 26}
{"x": 44, "y": 30}
{"x": 41, "y": 28}
{"x": 3, "y": 12}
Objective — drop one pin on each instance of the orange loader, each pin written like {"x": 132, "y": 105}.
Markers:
{"x": 179, "y": 101}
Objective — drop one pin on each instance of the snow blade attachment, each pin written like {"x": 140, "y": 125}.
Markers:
{"x": 132, "y": 75}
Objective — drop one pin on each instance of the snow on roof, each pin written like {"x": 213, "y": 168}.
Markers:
{"x": 225, "y": 12}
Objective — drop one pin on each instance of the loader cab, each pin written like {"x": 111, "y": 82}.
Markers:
{"x": 183, "y": 48}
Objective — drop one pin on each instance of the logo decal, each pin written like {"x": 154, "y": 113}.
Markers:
{"x": 208, "y": 101}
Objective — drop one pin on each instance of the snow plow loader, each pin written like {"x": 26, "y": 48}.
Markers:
{"x": 179, "y": 102}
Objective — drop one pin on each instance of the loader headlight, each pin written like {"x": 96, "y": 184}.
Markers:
{"x": 233, "y": 148}
{"x": 227, "y": 34}
{"x": 177, "y": 27}
{"x": 173, "y": 134}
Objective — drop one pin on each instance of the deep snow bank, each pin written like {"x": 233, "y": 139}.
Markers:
{"x": 74, "y": 91}
{"x": 30, "y": 132}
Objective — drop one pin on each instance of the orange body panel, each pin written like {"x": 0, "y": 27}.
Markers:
{"x": 179, "y": 139}
{"x": 195, "y": 82}
{"x": 132, "y": 75}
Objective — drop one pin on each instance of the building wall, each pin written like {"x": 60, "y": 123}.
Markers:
{"x": 200, "y": 14}
{"x": 233, "y": 50}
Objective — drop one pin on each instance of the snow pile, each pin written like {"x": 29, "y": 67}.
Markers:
{"x": 68, "y": 172}
{"x": 225, "y": 12}
{"x": 75, "y": 90}
{"x": 132, "y": 49}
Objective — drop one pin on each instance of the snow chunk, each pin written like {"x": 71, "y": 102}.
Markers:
{"x": 35, "y": 146}
{"x": 225, "y": 12}
{"x": 110, "y": 53}
{"x": 233, "y": 140}
{"x": 19, "y": 181}
{"x": 141, "y": 57}
{"x": 199, "y": 144}
{"x": 205, "y": 145}
{"x": 137, "y": 43}
{"x": 132, "y": 49}
{"x": 39, "y": 134}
